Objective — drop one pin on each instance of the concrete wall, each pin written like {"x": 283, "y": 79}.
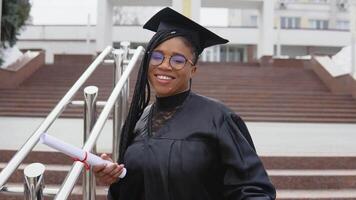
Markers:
{"x": 278, "y": 139}
{"x": 308, "y": 37}
{"x": 294, "y": 51}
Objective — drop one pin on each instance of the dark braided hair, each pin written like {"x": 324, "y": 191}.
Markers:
{"x": 141, "y": 95}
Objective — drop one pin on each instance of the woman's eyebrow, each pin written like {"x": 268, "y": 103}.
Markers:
{"x": 172, "y": 53}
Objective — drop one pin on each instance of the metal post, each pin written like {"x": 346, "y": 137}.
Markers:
{"x": 34, "y": 138}
{"x": 90, "y": 95}
{"x": 125, "y": 45}
{"x": 34, "y": 182}
{"x": 73, "y": 174}
{"x": 117, "y": 118}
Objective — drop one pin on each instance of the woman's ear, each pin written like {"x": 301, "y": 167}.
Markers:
{"x": 193, "y": 70}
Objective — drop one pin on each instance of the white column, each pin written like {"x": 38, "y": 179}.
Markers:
{"x": 49, "y": 55}
{"x": 217, "y": 51}
{"x": 333, "y": 14}
{"x": 88, "y": 36}
{"x": 353, "y": 38}
{"x": 177, "y": 5}
{"x": 278, "y": 42}
{"x": 189, "y": 8}
{"x": 104, "y": 24}
{"x": 266, "y": 29}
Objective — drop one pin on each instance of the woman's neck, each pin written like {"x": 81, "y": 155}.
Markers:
{"x": 169, "y": 102}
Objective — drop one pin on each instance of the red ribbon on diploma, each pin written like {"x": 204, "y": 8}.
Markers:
{"x": 84, "y": 161}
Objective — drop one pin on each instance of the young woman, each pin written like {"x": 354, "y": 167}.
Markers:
{"x": 184, "y": 146}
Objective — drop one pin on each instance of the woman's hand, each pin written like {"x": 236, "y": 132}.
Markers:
{"x": 109, "y": 173}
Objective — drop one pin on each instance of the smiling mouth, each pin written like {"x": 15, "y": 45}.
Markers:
{"x": 164, "y": 77}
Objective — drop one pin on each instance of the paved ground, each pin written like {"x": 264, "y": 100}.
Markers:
{"x": 307, "y": 139}
{"x": 282, "y": 139}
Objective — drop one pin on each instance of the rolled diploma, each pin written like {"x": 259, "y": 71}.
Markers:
{"x": 74, "y": 151}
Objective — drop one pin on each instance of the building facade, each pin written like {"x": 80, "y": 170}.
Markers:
{"x": 308, "y": 15}
{"x": 284, "y": 28}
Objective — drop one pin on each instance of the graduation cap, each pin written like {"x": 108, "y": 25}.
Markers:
{"x": 170, "y": 20}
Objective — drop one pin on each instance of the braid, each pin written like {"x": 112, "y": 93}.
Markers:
{"x": 141, "y": 95}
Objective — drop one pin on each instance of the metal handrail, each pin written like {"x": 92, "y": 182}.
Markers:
{"x": 17, "y": 190}
{"x": 74, "y": 173}
{"x": 54, "y": 114}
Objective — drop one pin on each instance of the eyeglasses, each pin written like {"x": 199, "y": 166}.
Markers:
{"x": 176, "y": 61}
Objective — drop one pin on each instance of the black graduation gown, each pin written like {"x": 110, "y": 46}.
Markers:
{"x": 200, "y": 153}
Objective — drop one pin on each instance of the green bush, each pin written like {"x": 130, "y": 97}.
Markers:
{"x": 14, "y": 16}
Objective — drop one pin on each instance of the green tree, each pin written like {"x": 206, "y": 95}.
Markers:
{"x": 14, "y": 16}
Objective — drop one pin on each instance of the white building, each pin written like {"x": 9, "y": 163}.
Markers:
{"x": 255, "y": 28}
{"x": 323, "y": 16}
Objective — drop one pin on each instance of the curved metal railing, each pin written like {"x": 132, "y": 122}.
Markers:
{"x": 121, "y": 86}
{"x": 78, "y": 166}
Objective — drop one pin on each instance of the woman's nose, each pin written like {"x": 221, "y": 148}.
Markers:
{"x": 165, "y": 64}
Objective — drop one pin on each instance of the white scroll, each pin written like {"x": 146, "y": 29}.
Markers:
{"x": 75, "y": 152}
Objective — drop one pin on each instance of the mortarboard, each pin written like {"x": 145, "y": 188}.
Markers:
{"x": 171, "y": 20}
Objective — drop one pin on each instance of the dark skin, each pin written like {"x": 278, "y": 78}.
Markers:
{"x": 108, "y": 174}
{"x": 177, "y": 82}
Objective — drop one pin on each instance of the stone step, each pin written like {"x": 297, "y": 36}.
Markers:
{"x": 54, "y": 174}
{"x": 238, "y": 91}
{"x": 273, "y": 110}
{"x": 240, "y": 107}
{"x": 282, "y": 179}
{"x": 252, "y": 91}
{"x": 257, "y": 118}
{"x": 334, "y": 194}
{"x": 309, "y": 162}
{"x": 51, "y": 157}
{"x": 313, "y": 179}
{"x": 250, "y": 117}
{"x": 329, "y": 194}
{"x": 270, "y": 162}
{"x": 101, "y": 192}
{"x": 285, "y": 172}
{"x": 319, "y": 104}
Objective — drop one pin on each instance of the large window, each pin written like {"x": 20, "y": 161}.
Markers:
{"x": 343, "y": 24}
{"x": 318, "y": 24}
{"x": 305, "y": 1}
{"x": 290, "y": 22}
{"x": 253, "y": 21}
{"x": 319, "y": 1}
{"x": 231, "y": 53}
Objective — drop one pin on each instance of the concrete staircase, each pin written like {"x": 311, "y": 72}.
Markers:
{"x": 312, "y": 177}
{"x": 57, "y": 167}
{"x": 257, "y": 93}
{"x": 294, "y": 177}
{"x": 274, "y": 94}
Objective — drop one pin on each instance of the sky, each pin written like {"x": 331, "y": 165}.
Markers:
{"x": 77, "y": 12}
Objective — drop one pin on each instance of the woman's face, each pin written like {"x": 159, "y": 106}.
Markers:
{"x": 165, "y": 80}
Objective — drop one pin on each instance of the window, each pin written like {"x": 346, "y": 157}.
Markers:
{"x": 289, "y": 1}
{"x": 318, "y": 24}
{"x": 305, "y": 1}
{"x": 253, "y": 20}
{"x": 318, "y": 1}
{"x": 343, "y": 24}
{"x": 290, "y": 22}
